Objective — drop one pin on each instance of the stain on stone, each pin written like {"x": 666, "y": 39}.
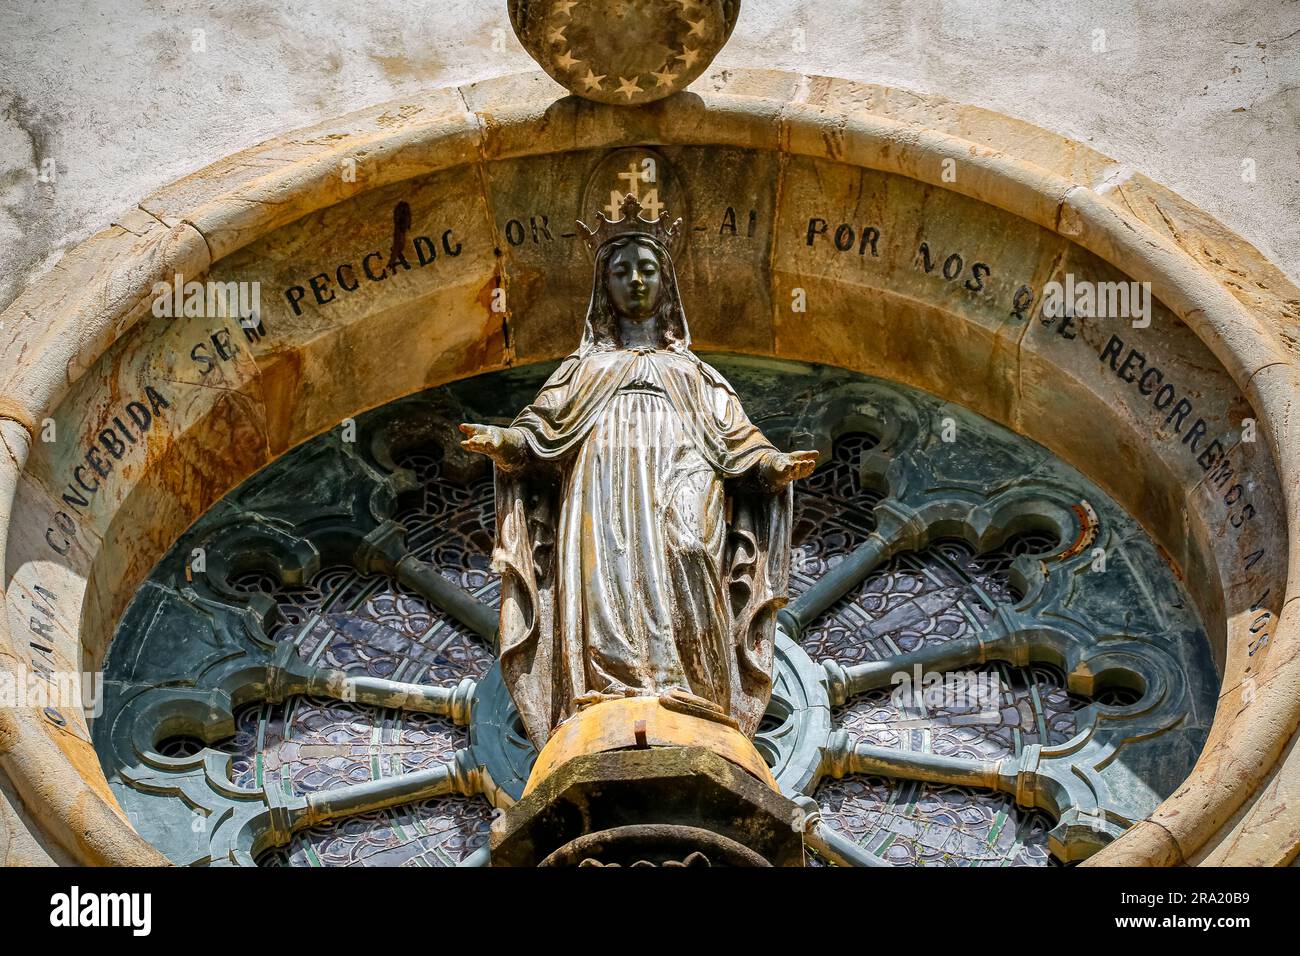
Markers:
{"x": 401, "y": 225}
{"x": 26, "y": 198}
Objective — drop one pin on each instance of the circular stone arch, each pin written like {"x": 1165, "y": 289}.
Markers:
{"x": 828, "y": 221}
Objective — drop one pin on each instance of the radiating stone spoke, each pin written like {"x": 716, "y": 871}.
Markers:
{"x": 846, "y": 682}
{"x": 452, "y": 702}
{"x": 425, "y": 580}
{"x": 480, "y": 857}
{"x": 932, "y": 768}
{"x": 1065, "y": 791}
{"x": 843, "y": 755}
{"x": 288, "y": 676}
{"x": 459, "y": 776}
{"x": 838, "y": 581}
{"x": 385, "y": 549}
{"x": 823, "y": 840}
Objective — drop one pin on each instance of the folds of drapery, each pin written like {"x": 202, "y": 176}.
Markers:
{"x": 542, "y": 674}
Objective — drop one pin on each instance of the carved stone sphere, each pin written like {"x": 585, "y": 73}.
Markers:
{"x": 624, "y": 52}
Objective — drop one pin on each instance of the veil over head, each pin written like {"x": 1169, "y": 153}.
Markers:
{"x": 600, "y": 331}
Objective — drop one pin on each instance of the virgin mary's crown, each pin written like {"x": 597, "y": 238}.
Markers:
{"x": 630, "y": 223}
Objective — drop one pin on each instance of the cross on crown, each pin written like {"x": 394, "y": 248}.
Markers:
{"x": 631, "y": 223}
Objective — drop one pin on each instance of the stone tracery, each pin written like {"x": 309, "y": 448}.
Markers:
{"x": 306, "y": 613}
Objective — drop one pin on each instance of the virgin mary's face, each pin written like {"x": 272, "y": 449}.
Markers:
{"x": 633, "y": 281}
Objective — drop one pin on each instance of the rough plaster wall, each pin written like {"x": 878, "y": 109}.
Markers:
{"x": 113, "y": 93}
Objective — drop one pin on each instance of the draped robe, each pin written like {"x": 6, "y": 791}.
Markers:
{"x": 637, "y": 551}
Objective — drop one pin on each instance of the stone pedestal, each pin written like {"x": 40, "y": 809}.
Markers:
{"x": 649, "y": 782}
{"x": 662, "y": 806}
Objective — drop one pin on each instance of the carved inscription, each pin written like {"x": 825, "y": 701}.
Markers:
{"x": 1177, "y": 410}
{"x": 129, "y": 424}
{"x": 375, "y": 265}
{"x": 536, "y": 229}
{"x": 1150, "y": 382}
{"x": 41, "y": 643}
{"x": 865, "y": 241}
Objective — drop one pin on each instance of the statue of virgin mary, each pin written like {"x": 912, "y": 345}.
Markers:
{"x": 643, "y": 522}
